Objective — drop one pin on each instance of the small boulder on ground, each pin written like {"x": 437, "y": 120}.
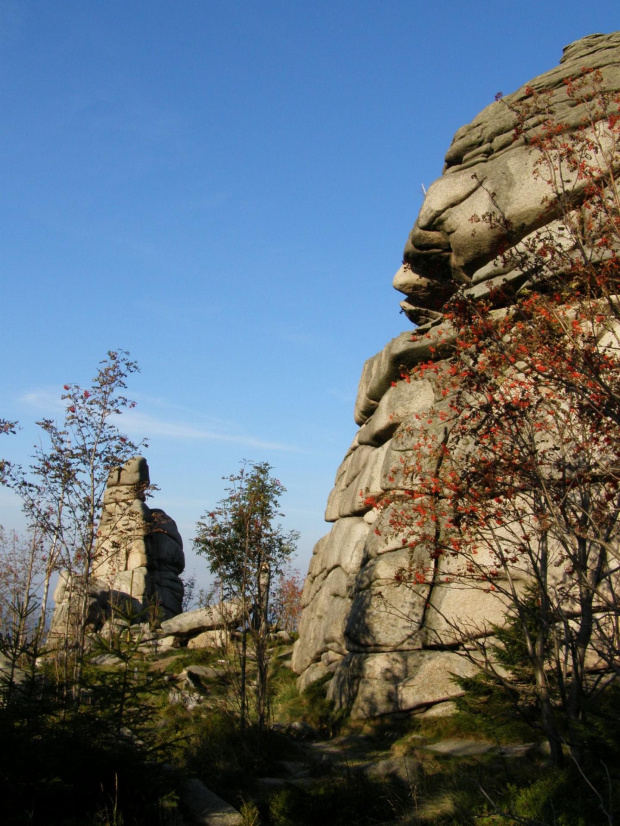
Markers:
{"x": 216, "y": 638}
{"x": 201, "y": 674}
{"x": 404, "y": 769}
{"x": 206, "y": 808}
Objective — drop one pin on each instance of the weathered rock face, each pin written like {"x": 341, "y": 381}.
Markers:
{"x": 138, "y": 556}
{"x": 486, "y": 166}
{"x": 392, "y": 648}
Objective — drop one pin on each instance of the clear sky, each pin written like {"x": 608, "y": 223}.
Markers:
{"x": 224, "y": 189}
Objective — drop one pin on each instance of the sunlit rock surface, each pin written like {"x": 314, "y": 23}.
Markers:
{"x": 391, "y": 648}
{"x": 137, "y": 561}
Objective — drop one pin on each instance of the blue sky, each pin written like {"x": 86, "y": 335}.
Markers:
{"x": 224, "y": 189}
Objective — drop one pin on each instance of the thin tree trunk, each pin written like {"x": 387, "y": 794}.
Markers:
{"x": 261, "y": 647}
{"x": 244, "y": 649}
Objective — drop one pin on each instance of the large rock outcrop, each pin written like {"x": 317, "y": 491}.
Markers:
{"x": 391, "y": 648}
{"x": 137, "y": 560}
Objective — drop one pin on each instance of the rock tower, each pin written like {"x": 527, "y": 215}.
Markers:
{"x": 138, "y": 556}
{"x": 391, "y": 652}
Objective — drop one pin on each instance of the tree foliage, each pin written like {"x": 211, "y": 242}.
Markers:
{"x": 96, "y": 745}
{"x": 286, "y": 601}
{"x": 247, "y": 548}
{"x": 63, "y": 490}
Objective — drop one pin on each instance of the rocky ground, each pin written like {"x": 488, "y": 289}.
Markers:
{"x": 397, "y": 769}
{"x": 314, "y": 765}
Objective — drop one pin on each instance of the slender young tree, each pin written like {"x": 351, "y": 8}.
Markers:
{"x": 286, "y": 600}
{"x": 21, "y": 569}
{"x": 62, "y": 494}
{"x": 246, "y": 548}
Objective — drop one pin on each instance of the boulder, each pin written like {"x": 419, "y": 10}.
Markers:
{"x": 167, "y": 643}
{"x": 206, "y": 808}
{"x": 401, "y": 769}
{"x": 201, "y": 675}
{"x": 223, "y": 615}
{"x": 216, "y": 638}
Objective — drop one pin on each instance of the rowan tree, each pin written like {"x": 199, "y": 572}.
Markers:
{"x": 7, "y": 426}
{"x": 62, "y": 492}
{"x": 106, "y": 748}
{"x": 246, "y": 548}
{"x": 513, "y": 483}
{"x": 286, "y": 601}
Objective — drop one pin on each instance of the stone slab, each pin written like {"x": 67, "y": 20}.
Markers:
{"x": 192, "y": 623}
{"x": 206, "y": 808}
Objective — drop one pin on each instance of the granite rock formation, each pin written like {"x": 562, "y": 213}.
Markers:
{"x": 392, "y": 649}
{"x": 138, "y": 557}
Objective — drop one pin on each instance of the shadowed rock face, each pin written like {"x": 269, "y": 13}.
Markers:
{"x": 391, "y": 648}
{"x": 138, "y": 556}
